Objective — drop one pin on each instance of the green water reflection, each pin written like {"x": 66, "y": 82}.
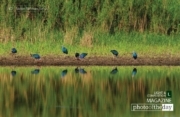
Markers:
{"x": 84, "y": 91}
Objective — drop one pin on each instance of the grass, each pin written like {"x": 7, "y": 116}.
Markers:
{"x": 145, "y": 44}
{"x": 94, "y": 27}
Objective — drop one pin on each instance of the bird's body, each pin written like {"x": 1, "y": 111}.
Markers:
{"x": 114, "y": 71}
{"x": 64, "y": 50}
{"x": 13, "y": 73}
{"x": 35, "y": 71}
{"x": 114, "y": 52}
{"x": 82, "y": 71}
{"x": 82, "y": 55}
{"x": 13, "y": 50}
{"x": 36, "y": 56}
{"x": 134, "y": 72}
{"x": 134, "y": 55}
{"x": 77, "y": 55}
{"x": 64, "y": 72}
{"x": 76, "y": 70}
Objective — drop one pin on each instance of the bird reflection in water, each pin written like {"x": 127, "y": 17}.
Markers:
{"x": 35, "y": 71}
{"x": 80, "y": 70}
{"x": 64, "y": 73}
{"x": 114, "y": 71}
{"x": 134, "y": 72}
{"x": 13, "y": 73}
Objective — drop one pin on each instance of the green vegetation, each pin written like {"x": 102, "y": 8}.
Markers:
{"x": 96, "y": 26}
{"x": 97, "y": 93}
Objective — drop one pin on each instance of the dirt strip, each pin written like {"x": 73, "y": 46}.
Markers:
{"x": 100, "y": 61}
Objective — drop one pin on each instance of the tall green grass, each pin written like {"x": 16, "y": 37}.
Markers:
{"x": 144, "y": 44}
{"x": 94, "y": 26}
{"x": 105, "y": 15}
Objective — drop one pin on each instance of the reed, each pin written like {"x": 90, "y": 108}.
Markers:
{"x": 93, "y": 26}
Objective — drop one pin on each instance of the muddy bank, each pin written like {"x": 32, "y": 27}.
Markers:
{"x": 101, "y": 61}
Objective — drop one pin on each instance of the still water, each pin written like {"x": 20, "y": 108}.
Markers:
{"x": 86, "y": 91}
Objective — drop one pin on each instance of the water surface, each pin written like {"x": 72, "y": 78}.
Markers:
{"x": 84, "y": 91}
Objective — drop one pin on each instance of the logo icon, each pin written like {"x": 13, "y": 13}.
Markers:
{"x": 168, "y": 94}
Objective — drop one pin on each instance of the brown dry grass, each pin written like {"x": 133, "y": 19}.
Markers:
{"x": 70, "y": 35}
{"x": 87, "y": 39}
{"x": 6, "y": 35}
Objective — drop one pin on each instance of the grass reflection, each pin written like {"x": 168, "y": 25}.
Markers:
{"x": 94, "y": 93}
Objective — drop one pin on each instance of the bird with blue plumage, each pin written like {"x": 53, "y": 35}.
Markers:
{"x": 115, "y": 53}
{"x": 134, "y": 72}
{"x": 13, "y": 50}
{"x": 83, "y": 55}
{"x": 77, "y": 56}
{"x": 114, "y": 70}
{"x": 35, "y": 71}
{"x": 64, "y": 50}
{"x": 64, "y": 73}
{"x": 82, "y": 71}
{"x": 76, "y": 70}
{"x": 134, "y": 55}
{"x": 13, "y": 73}
{"x": 35, "y": 56}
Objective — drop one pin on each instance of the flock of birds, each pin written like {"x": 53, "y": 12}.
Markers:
{"x": 77, "y": 55}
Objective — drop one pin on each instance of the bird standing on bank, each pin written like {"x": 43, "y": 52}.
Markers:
{"x": 82, "y": 55}
{"x": 114, "y": 52}
{"x": 77, "y": 56}
{"x": 64, "y": 50}
{"x": 13, "y": 51}
{"x": 134, "y": 54}
{"x": 36, "y": 56}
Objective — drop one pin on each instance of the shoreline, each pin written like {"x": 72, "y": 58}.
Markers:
{"x": 94, "y": 61}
